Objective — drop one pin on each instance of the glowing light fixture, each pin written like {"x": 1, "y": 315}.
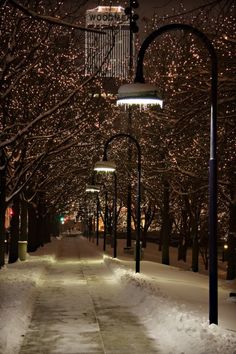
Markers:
{"x": 139, "y": 94}
{"x": 105, "y": 166}
{"x": 92, "y": 188}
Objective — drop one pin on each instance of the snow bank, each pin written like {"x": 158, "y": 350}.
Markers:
{"x": 176, "y": 327}
{"x": 18, "y": 283}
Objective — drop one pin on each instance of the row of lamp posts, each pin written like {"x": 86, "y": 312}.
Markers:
{"x": 142, "y": 93}
{"x": 109, "y": 166}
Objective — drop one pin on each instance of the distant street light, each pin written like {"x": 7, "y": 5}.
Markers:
{"x": 108, "y": 166}
{"x": 145, "y": 94}
{"x": 105, "y": 166}
{"x": 92, "y": 188}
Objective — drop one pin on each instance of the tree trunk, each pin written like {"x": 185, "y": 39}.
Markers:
{"x": 182, "y": 247}
{"x": 160, "y": 240}
{"x": 23, "y": 221}
{"x": 3, "y": 207}
{"x": 40, "y": 228}
{"x": 41, "y": 221}
{"x": 129, "y": 216}
{"x": 166, "y": 225}
{"x": 231, "y": 269}
{"x": 32, "y": 234}
{"x": 195, "y": 246}
{"x": 55, "y": 225}
{"x": 144, "y": 237}
{"x": 185, "y": 249}
{"x": 47, "y": 228}
{"x": 2, "y": 234}
{"x": 13, "y": 249}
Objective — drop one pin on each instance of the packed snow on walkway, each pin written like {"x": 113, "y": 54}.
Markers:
{"x": 172, "y": 304}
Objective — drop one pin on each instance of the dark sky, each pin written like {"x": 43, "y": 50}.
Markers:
{"x": 148, "y": 7}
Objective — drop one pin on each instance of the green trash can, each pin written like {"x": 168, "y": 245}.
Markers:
{"x": 141, "y": 251}
{"x": 22, "y": 250}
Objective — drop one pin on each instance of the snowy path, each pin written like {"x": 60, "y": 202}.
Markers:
{"x": 77, "y": 309}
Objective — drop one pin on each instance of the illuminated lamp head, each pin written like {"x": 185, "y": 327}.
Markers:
{"x": 137, "y": 93}
{"x": 105, "y": 166}
{"x": 92, "y": 188}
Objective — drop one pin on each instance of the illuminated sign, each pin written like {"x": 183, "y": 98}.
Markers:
{"x": 106, "y": 16}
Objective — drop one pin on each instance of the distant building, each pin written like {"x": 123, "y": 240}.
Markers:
{"x": 110, "y": 49}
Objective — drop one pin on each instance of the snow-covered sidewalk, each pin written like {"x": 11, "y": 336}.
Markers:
{"x": 170, "y": 304}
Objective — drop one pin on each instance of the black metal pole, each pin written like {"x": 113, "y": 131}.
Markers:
{"x": 114, "y": 218}
{"x": 97, "y": 221}
{"x": 129, "y": 188}
{"x": 105, "y": 224}
{"x": 213, "y": 268}
{"x": 138, "y": 206}
{"x": 137, "y": 266}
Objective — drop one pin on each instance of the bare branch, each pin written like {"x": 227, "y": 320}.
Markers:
{"x": 50, "y": 19}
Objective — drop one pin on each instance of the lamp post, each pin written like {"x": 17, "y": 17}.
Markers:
{"x": 141, "y": 93}
{"x": 97, "y": 221}
{"x": 92, "y": 188}
{"x": 105, "y": 166}
{"x": 105, "y": 223}
{"x": 109, "y": 167}
{"x": 133, "y": 28}
{"x": 114, "y": 216}
{"x": 101, "y": 166}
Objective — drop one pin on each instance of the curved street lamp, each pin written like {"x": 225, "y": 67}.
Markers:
{"x": 130, "y": 94}
{"x": 105, "y": 166}
{"x": 101, "y": 166}
{"x": 110, "y": 167}
{"x": 95, "y": 189}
